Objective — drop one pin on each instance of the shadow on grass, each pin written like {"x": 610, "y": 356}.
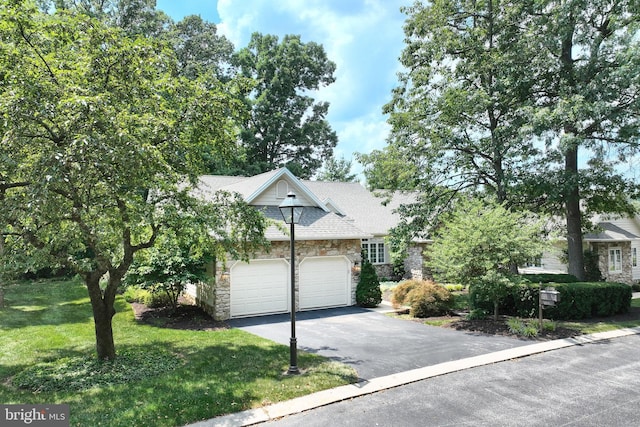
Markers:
{"x": 205, "y": 382}
{"x": 37, "y": 304}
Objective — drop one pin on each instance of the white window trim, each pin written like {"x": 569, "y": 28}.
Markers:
{"x": 381, "y": 248}
{"x": 615, "y": 263}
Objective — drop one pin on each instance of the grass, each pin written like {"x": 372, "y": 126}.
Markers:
{"x": 47, "y": 333}
{"x": 603, "y": 325}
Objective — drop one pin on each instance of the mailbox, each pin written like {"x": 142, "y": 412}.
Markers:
{"x": 549, "y": 296}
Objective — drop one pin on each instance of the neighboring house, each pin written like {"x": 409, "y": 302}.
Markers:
{"x": 339, "y": 220}
{"x": 550, "y": 261}
{"x": 617, "y": 243}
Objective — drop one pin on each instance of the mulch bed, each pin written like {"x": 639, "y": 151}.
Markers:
{"x": 191, "y": 317}
{"x": 499, "y": 327}
{"x": 185, "y": 316}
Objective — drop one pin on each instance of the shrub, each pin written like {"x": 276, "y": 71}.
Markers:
{"x": 135, "y": 294}
{"x": 520, "y": 328}
{"x": 158, "y": 298}
{"x": 368, "y": 293}
{"x": 493, "y": 287}
{"x": 591, "y": 299}
{"x": 477, "y": 314}
{"x": 550, "y": 278}
{"x": 591, "y": 267}
{"x": 425, "y": 298}
{"x": 578, "y": 300}
{"x": 399, "y": 295}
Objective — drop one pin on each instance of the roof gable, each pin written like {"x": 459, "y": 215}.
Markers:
{"x": 346, "y": 201}
{"x": 272, "y": 191}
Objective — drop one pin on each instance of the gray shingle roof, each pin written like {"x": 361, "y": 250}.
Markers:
{"x": 315, "y": 224}
{"x": 356, "y": 213}
{"x": 360, "y": 205}
{"x": 611, "y": 233}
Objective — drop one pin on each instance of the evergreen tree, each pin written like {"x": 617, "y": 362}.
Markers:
{"x": 368, "y": 293}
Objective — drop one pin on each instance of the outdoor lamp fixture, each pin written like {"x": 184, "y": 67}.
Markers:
{"x": 291, "y": 210}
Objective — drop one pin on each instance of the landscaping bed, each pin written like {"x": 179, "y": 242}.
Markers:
{"x": 551, "y": 330}
{"x": 185, "y": 316}
{"x": 562, "y": 330}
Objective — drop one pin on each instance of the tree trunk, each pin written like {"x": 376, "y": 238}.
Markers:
{"x": 496, "y": 304}
{"x": 103, "y": 312}
{"x": 572, "y": 193}
{"x": 573, "y": 215}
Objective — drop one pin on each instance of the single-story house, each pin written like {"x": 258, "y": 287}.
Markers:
{"x": 339, "y": 221}
{"x": 615, "y": 240}
{"x": 617, "y": 243}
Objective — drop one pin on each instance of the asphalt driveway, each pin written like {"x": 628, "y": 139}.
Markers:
{"x": 371, "y": 342}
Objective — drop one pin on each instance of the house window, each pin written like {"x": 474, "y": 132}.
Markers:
{"x": 374, "y": 251}
{"x": 615, "y": 259}
{"x": 535, "y": 262}
{"x": 634, "y": 257}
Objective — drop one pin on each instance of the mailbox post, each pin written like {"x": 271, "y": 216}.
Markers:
{"x": 548, "y": 297}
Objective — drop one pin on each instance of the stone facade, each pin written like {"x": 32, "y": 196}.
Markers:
{"x": 384, "y": 271}
{"x": 625, "y": 275}
{"x": 215, "y": 296}
{"x": 414, "y": 263}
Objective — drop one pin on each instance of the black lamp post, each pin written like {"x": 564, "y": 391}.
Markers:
{"x": 291, "y": 210}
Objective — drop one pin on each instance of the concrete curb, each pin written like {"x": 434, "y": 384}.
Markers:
{"x": 326, "y": 397}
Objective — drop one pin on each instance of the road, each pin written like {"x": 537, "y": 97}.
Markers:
{"x": 595, "y": 384}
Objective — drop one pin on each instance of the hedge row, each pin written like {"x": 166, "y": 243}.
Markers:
{"x": 579, "y": 300}
{"x": 550, "y": 278}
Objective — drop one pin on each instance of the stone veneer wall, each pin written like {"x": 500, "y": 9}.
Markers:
{"x": 215, "y": 297}
{"x": 414, "y": 263}
{"x": 623, "y": 276}
{"x": 384, "y": 271}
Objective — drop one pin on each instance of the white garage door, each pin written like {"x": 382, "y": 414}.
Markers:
{"x": 259, "y": 287}
{"x": 325, "y": 282}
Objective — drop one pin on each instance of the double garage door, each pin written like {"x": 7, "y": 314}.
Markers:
{"x": 262, "y": 286}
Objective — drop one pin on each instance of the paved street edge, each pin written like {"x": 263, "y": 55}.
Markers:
{"x": 326, "y": 397}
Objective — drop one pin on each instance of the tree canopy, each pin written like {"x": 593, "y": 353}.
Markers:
{"x": 286, "y": 126}
{"x": 336, "y": 170}
{"x": 496, "y": 98}
{"x": 101, "y": 139}
{"x": 482, "y": 236}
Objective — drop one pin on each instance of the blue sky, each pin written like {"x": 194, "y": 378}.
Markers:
{"x": 363, "y": 37}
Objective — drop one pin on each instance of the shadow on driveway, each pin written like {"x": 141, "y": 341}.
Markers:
{"x": 373, "y": 343}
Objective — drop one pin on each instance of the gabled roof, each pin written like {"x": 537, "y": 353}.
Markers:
{"x": 610, "y": 233}
{"x": 348, "y": 202}
{"x": 315, "y": 224}
{"x": 360, "y": 205}
{"x": 252, "y": 187}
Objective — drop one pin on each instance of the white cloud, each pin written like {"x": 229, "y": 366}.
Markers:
{"x": 363, "y": 37}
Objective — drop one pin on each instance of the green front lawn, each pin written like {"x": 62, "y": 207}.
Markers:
{"x": 166, "y": 377}
{"x": 603, "y": 325}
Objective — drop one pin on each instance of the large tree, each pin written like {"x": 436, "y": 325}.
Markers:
{"x": 200, "y": 49}
{"x": 336, "y": 170}
{"x": 100, "y": 140}
{"x": 286, "y": 125}
{"x": 587, "y": 101}
{"x": 457, "y": 114}
{"x": 496, "y": 94}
